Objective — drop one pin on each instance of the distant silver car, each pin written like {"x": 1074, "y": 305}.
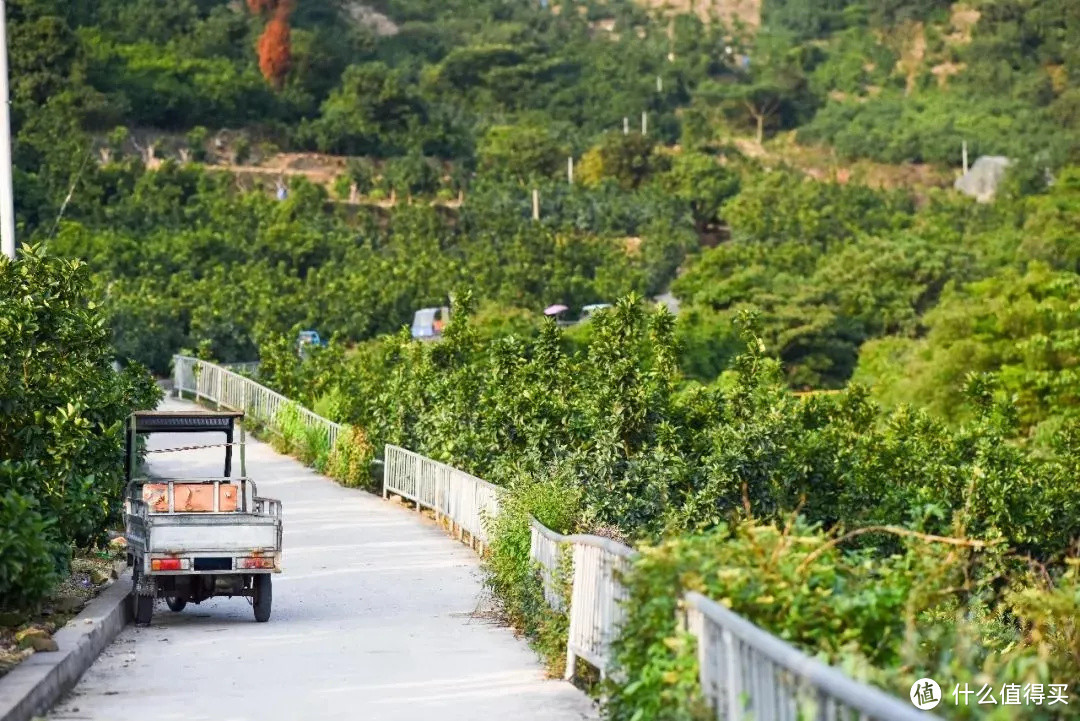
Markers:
{"x": 428, "y": 323}
{"x": 587, "y": 311}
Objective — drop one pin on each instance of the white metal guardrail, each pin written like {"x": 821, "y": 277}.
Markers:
{"x": 596, "y": 602}
{"x": 545, "y": 549}
{"x": 746, "y": 672}
{"x": 461, "y": 498}
{"x": 596, "y": 596}
{"x": 249, "y": 367}
{"x": 219, "y": 385}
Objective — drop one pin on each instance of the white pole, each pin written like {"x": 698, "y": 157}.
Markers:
{"x": 965, "y": 157}
{"x": 536, "y": 204}
{"x": 644, "y": 123}
{"x": 570, "y": 169}
{"x": 7, "y": 202}
{"x": 659, "y": 84}
{"x": 625, "y": 125}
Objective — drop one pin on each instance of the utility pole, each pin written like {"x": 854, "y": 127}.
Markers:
{"x": 964, "y": 152}
{"x": 7, "y": 202}
{"x": 644, "y": 123}
{"x": 659, "y": 84}
{"x": 625, "y": 125}
{"x": 570, "y": 169}
{"x": 536, "y": 204}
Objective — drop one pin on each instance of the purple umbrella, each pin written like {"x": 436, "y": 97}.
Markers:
{"x": 555, "y": 309}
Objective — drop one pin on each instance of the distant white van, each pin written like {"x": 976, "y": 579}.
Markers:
{"x": 428, "y": 323}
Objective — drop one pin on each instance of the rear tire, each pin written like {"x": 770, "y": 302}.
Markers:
{"x": 264, "y": 597}
{"x": 144, "y": 609}
{"x": 176, "y": 603}
{"x": 142, "y": 605}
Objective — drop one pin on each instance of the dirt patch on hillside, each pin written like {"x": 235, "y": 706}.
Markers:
{"x": 820, "y": 163}
{"x": 912, "y": 37}
{"x": 962, "y": 21}
{"x": 747, "y": 12}
{"x": 370, "y": 17}
{"x": 944, "y": 71}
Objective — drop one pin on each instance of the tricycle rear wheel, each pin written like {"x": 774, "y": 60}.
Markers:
{"x": 143, "y": 609}
{"x": 264, "y": 597}
{"x": 142, "y": 604}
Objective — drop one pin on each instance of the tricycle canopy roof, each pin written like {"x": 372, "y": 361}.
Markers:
{"x": 184, "y": 421}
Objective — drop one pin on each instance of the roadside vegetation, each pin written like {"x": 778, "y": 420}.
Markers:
{"x": 62, "y": 411}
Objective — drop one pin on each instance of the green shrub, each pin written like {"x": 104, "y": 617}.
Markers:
{"x": 350, "y": 460}
{"x": 287, "y": 430}
{"x": 512, "y": 574}
{"x": 27, "y": 556}
{"x": 314, "y": 447}
{"x": 61, "y": 420}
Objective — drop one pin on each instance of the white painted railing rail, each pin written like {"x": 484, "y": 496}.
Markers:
{"x": 545, "y": 550}
{"x": 211, "y": 382}
{"x": 596, "y": 596}
{"x": 746, "y": 672}
{"x": 459, "y": 497}
{"x": 249, "y": 367}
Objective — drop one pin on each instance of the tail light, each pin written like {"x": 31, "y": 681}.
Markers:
{"x": 255, "y": 562}
{"x": 169, "y": 564}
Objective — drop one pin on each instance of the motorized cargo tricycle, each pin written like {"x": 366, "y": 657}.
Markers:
{"x": 190, "y": 539}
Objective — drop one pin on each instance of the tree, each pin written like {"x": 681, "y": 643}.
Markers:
{"x": 701, "y": 182}
{"x": 772, "y": 92}
{"x": 625, "y": 158}
{"x": 521, "y": 152}
{"x": 371, "y": 112}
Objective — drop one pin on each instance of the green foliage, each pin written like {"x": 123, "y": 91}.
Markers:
{"x": 785, "y": 206}
{"x": 1021, "y": 326}
{"x": 27, "y": 548}
{"x": 928, "y": 611}
{"x": 702, "y": 183}
{"x": 61, "y": 418}
{"x": 288, "y": 431}
{"x": 350, "y": 460}
{"x": 511, "y": 574}
{"x": 521, "y": 153}
{"x": 626, "y": 159}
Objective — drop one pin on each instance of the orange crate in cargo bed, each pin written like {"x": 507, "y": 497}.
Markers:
{"x": 190, "y": 497}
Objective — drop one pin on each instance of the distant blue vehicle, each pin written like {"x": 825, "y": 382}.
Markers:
{"x": 308, "y": 338}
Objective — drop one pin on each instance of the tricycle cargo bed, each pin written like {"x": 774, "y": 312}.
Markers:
{"x": 197, "y": 532}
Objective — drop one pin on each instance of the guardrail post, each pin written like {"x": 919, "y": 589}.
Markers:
{"x": 416, "y": 480}
{"x": 220, "y": 377}
{"x": 387, "y": 464}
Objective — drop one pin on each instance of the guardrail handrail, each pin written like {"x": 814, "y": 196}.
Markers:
{"x": 596, "y": 596}
{"x": 461, "y": 498}
{"x": 735, "y": 656}
{"x": 231, "y": 390}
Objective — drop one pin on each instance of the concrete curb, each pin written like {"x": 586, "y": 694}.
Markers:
{"x": 37, "y": 683}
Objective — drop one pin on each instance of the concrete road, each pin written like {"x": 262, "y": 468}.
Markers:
{"x": 378, "y": 615}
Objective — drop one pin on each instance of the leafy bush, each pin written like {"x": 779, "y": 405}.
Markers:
{"x": 512, "y": 576}
{"x": 350, "y": 460}
{"x": 27, "y": 549}
{"x": 929, "y": 611}
{"x": 61, "y": 418}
